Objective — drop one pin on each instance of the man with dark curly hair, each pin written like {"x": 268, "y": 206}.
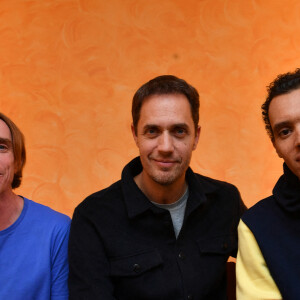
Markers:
{"x": 268, "y": 263}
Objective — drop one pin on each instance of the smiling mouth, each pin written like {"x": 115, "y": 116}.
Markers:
{"x": 165, "y": 163}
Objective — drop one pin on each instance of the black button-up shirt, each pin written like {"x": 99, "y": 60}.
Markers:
{"x": 124, "y": 247}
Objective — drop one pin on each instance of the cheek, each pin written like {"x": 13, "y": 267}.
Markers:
{"x": 12, "y": 165}
{"x": 282, "y": 148}
{"x": 146, "y": 146}
{"x": 185, "y": 146}
{"x": 7, "y": 162}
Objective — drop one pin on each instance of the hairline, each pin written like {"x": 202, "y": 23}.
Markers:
{"x": 165, "y": 93}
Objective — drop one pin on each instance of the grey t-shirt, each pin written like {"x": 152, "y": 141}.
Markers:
{"x": 176, "y": 210}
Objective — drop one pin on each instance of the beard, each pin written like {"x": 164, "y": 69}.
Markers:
{"x": 167, "y": 176}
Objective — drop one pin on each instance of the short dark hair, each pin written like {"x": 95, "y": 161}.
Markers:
{"x": 18, "y": 145}
{"x": 165, "y": 84}
{"x": 283, "y": 84}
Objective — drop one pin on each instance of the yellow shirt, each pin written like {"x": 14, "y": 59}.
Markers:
{"x": 254, "y": 281}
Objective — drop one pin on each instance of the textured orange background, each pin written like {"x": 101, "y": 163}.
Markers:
{"x": 69, "y": 69}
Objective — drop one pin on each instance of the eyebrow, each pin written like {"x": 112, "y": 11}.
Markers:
{"x": 149, "y": 126}
{"x": 173, "y": 125}
{"x": 180, "y": 125}
{"x": 280, "y": 125}
{"x": 5, "y": 141}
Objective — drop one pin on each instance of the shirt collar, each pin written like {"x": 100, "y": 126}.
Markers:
{"x": 287, "y": 192}
{"x": 137, "y": 203}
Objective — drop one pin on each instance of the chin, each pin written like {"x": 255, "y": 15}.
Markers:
{"x": 164, "y": 180}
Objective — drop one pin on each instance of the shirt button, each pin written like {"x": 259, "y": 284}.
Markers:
{"x": 181, "y": 255}
{"x": 224, "y": 246}
{"x": 136, "y": 268}
{"x": 190, "y": 297}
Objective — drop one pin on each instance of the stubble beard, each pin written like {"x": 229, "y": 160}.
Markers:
{"x": 167, "y": 177}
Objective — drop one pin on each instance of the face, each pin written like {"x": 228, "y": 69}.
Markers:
{"x": 6, "y": 159}
{"x": 166, "y": 138}
{"x": 284, "y": 115}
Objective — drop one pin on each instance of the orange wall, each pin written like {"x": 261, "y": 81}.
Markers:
{"x": 68, "y": 71}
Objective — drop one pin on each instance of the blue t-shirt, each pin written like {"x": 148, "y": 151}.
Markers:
{"x": 33, "y": 255}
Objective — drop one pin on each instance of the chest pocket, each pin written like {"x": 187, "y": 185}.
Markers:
{"x": 222, "y": 245}
{"x": 135, "y": 264}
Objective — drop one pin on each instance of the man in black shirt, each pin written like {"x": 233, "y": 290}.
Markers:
{"x": 162, "y": 231}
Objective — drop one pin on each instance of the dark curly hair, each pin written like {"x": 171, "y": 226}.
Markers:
{"x": 283, "y": 84}
{"x": 165, "y": 84}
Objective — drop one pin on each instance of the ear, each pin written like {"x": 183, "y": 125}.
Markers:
{"x": 134, "y": 134}
{"x": 197, "y": 136}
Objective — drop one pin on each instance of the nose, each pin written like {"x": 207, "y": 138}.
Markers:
{"x": 165, "y": 143}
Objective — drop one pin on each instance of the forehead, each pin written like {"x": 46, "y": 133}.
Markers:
{"x": 169, "y": 108}
{"x": 285, "y": 108}
{"x": 4, "y": 131}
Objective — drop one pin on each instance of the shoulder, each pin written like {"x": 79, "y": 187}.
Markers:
{"x": 46, "y": 215}
{"x": 214, "y": 184}
{"x": 259, "y": 208}
{"x": 108, "y": 196}
{"x": 253, "y": 277}
{"x": 260, "y": 214}
{"x": 218, "y": 189}
{"x": 223, "y": 195}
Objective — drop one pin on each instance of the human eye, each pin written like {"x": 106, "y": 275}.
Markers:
{"x": 151, "y": 132}
{"x": 3, "y": 148}
{"x": 180, "y": 132}
{"x": 284, "y": 132}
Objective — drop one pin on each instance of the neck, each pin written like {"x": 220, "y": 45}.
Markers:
{"x": 11, "y": 207}
{"x": 162, "y": 194}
